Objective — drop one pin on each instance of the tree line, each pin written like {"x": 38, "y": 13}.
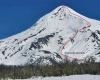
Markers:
{"x": 65, "y": 68}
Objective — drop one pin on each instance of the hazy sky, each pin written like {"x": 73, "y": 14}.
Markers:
{"x": 18, "y": 15}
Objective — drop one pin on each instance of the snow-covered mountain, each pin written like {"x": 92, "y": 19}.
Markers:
{"x": 59, "y": 35}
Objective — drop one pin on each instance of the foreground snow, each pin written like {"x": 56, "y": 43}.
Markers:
{"x": 73, "y": 77}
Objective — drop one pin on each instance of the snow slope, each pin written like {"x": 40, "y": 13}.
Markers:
{"x": 61, "y": 34}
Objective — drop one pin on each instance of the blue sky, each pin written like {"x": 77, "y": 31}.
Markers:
{"x": 18, "y": 15}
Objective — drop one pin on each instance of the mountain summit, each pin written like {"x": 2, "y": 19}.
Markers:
{"x": 61, "y": 34}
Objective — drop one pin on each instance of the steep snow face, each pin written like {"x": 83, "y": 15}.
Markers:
{"x": 52, "y": 39}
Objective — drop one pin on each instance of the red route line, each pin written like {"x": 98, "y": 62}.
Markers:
{"x": 79, "y": 17}
{"x": 74, "y": 35}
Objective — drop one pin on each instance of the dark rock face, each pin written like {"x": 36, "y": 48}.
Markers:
{"x": 41, "y": 41}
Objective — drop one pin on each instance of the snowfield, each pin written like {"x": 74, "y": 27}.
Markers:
{"x": 72, "y": 77}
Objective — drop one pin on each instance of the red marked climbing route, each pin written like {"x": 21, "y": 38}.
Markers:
{"x": 74, "y": 35}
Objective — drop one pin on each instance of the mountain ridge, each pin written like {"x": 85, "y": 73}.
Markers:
{"x": 47, "y": 40}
